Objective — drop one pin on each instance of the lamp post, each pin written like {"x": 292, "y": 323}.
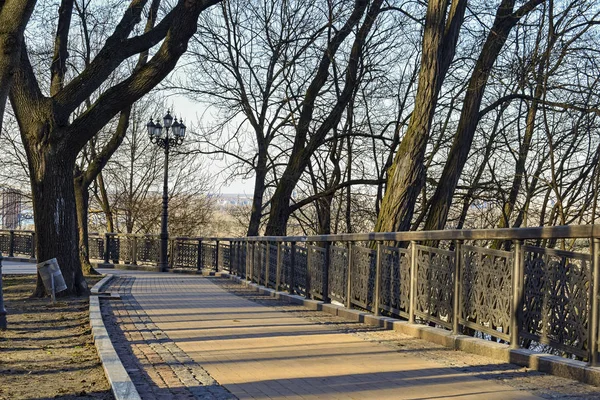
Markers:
{"x": 160, "y": 136}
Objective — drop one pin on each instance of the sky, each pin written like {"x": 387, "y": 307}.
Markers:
{"x": 192, "y": 112}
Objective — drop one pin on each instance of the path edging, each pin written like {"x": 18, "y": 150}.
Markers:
{"x": 547, "y": 363}
{"x": 118, "y": 378}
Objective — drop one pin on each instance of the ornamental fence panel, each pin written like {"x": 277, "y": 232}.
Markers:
{"x": 541, "y": 298}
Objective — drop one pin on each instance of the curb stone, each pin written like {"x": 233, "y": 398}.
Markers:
{"x": 547, "y": 363}
{"x": 100, "y": 284}
{"x": 118, "y": 378}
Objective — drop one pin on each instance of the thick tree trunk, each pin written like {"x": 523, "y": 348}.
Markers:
{"x": 55, "y": 217}
{"x": 406, "y": 175}
{"x": 280, "y": 205}
{"x": 257, "y": 199}
{"x": 82, "y": 200}
{"x": 14, "y": 15}
{"x": 441, "y": 201}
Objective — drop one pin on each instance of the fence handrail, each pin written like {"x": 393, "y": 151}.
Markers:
{"x": 545, "y": 232}
{"x": 532, "y": 294}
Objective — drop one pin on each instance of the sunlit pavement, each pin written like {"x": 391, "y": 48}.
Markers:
{"x": 257, "y": 351}
{"x": 12, "y": 267}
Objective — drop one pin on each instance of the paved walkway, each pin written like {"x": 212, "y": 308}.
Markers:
{"x": 12, "y": 267}
{"x": 258, "y": 352}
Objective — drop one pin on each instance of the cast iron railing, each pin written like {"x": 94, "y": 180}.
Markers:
{"x": 184, "y": 252}
{"x": 528, "y": 295}
{"x": 531, "y": 296}
{"x": 17, "y": 243}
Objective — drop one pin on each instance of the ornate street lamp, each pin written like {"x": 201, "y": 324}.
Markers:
{"x": 160, "y": 136}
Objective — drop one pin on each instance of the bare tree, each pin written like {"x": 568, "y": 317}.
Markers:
{"x": 53, "y": 137}
{"x": 406, "y": 174}
{"x": 14, "y": 15}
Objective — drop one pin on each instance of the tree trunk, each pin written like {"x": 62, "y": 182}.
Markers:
{"x": 302, "y": 149}
{"x": 280, "y": 205}
{"x": 105, "y": 204}
{"x": 441, "y": 201}
{"x": 14, "y": 15}
{"x": 82, "y": 201}
{"x": 52, "y": 189}
{"x": 323, "y": 207}
{"x": 406, "y": 175}
{"x": 257, "y": 199}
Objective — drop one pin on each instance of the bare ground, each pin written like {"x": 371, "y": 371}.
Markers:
{"x": 47, "y": 351}
{"x": 540, "y": 384}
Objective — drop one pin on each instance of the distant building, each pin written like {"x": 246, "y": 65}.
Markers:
{"x": 12, "y": 200}
{"x": 232, "y": 200}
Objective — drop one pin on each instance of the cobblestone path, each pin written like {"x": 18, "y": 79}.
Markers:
{"x": 158, "y": 368}
{"x": 185, "y": 333}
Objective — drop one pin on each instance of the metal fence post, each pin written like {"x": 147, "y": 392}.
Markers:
{"x": 33, "y": 245}
{"x": 377, "y": 280}
{"x": 199, "y": 255}
{"x": 233, "y": 257}
{"x": 309, "y": 267}
{"x": 278, "y": 267}
{"x": 247, "y": 259}
{"x": 171, "y": 254}
{"x": 239, "y": 258}
{"x": 326, "y": 262}
{"x": 261, "y": 261}
{"x": 106, "y": 248}
{"x": 11, "y": 243}
{"x": 3, "y": 322}
{"x": 349, "y": 278}
{"x": 252, "y": 255}
{"x": 413, "y": 281}
{"x": 267, "y": 262}
{"x": 134, "y": 250}
{"x": 292, "y": 267}
{"x": 515, "y": 312}
{"x": 217, "y": 256}
{"x": 458, "y": 265}
{"x": 594, "y": 291}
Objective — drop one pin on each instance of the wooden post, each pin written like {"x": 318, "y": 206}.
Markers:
{"x": 278, "y": 267}
{"x": 292, "y": 267}
{"x": 349, "y": 278}
{"x": 515, "y": 312}
{"x": 413, "y": 281}
{"x": 458, "y": 265}
{"x": 377, "y": 280}
{"x": 594, "y": 291}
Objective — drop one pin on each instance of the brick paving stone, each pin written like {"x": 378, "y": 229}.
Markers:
{"x": 159, "y": 369}
{"x": 192, "y": 330}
